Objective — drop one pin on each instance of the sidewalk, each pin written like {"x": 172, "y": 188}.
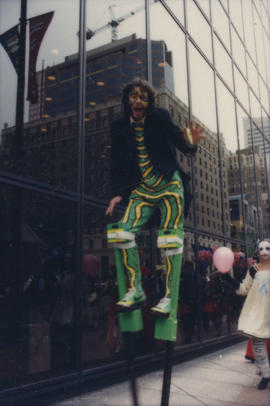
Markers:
{"x": 223, "y": 378}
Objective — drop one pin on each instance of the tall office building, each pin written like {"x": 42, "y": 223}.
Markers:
{"x": 108, "y": 69}
{"x": 263, "y": 125}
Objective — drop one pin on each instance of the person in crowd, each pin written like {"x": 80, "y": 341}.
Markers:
{"x": 146, "y": 176}
{"x": 254, "y": 320}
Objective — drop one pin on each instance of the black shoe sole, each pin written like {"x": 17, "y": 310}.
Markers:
{"x": 159, "y": 314}
{"x": 126, "y": 309}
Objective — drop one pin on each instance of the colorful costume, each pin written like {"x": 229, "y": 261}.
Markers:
{"x": 254, "y": 320}
{"x": 145, "y": 170}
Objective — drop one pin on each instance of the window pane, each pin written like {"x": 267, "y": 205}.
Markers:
{"x": 178, "y": 8}
{"x": 252, "y": 75}
{"x": 199, "y": 29}
{"x": 220, "y": 22}
{"x": 173, "y": 64}
{"x": 248, "y": 177}
{"x": 264, "y": 95}
{"x": 260, "y": 46}
{"x": 202, "y": 83}
{"x": 214, "y": 300}
{"x": 223, "y": 62}
{"x": 115, "y": 55}
{"x": 229, "y": 145}
{"x": 236, "y": 15}
{"x": 42, "y": 146}
{"x": 241, "y": 88}
{"x": 238, "y": 52}
{"x": 122, "y": 57}
{"x": 204, "y": 4}
{"x": 249, "y": 34}
{"x": 37, "y": 274}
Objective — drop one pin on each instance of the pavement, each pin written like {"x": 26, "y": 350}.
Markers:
{"x": 222, "y": 378}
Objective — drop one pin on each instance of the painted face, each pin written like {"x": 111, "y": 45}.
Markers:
{"x": 138, "y": 103}
{"x": 264, "y": 250}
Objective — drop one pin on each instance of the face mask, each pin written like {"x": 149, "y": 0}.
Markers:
{"x": 264, "y": 249}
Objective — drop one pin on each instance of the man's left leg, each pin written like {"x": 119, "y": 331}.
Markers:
{"x": 170, "y": 240}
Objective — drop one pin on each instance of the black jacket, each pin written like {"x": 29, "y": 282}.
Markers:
{"x": 161, "y": 136}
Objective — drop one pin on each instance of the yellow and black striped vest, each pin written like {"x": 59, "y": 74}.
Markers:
{"x": 150, "y": 176}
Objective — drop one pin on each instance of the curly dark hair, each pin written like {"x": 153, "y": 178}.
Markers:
{"x": 143, "y": 84}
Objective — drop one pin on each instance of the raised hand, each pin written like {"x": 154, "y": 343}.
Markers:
{"x": 194, "y": 134}
{"x": 114, "y": 201}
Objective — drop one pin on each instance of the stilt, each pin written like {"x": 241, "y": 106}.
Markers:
{"x": 129, "y": 339}
{"x": 166, "y": 387}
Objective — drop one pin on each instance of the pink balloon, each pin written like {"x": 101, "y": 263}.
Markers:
{"x": 223, "y": 259}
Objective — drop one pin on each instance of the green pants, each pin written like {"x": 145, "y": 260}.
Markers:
{"x": 168, "y": 197}
{"x": 142, "y": 203}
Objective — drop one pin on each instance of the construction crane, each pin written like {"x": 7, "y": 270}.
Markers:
{"x": 114, "y": 22}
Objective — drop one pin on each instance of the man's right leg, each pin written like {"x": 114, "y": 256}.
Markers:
{"x": 122, "y": 235}
{"x": 127, "y": 263}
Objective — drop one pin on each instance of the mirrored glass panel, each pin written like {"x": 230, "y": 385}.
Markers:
{"x": 208, "y": 195}
{"x": 204, "y": 5}
{"x": 261, "y": 152}
{"x": 264, "y": 94}
{"x": 189, "y": 304}
{"x": 200, "y": 89}
{"x": 37, "y": 286}
{"x": 172, "y": 93}
{"x": 215, "y": 301}
{"x": 220, "y": 23}
{"x": 249, "y": 34}
{"x": 242, "y": 261}
{"x": 177, "y": 8}
{"x": 229, "y": 154}
{"x": 173, "y": 63}
{"x": 238, "y": 52}
{"x": 261, "y": 62}
{"x": 241, "y": 88}
{"x": 249, "y": 209}
{"x": 199, "y": 29}
{"x": 39, "y": 92}
{"x": 223, "y": 62}
{"x": 267, "y": 54}
{"x": 252, "y": 75}
{"x": 115, "y": 54}
{"x": 236, "y": 16}
{"x": 263, "y": 13}
{"x": 225, "y": 5}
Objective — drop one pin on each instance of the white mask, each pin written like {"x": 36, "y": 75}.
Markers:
{"x": 264, "y": 249}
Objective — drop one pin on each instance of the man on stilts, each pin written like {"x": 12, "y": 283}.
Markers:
{"x": 146, "y": 175}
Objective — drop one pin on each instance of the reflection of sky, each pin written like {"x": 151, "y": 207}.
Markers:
{"x": 61, "y": 40}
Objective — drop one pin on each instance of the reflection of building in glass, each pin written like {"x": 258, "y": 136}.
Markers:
{"x": 36, "y": 110}
{"x": 52, "y": 140}
{"x": 108, "y": 68}
{"x": 264, "y": 125}
{"x": 238, "y": 219}
{"x": 249, "y": 182}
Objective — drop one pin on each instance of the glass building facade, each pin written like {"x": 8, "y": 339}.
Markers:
{"x": 63, "y": 65}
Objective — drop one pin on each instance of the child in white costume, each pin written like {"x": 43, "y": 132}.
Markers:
{"x": 254, "y": 320}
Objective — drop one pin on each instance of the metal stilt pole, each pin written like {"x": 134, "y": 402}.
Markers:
{"x": 167, "y": 374}
{"x": 129, "y": 338}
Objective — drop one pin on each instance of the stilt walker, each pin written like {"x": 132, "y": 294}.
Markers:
{"x": 147, "y": 177}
